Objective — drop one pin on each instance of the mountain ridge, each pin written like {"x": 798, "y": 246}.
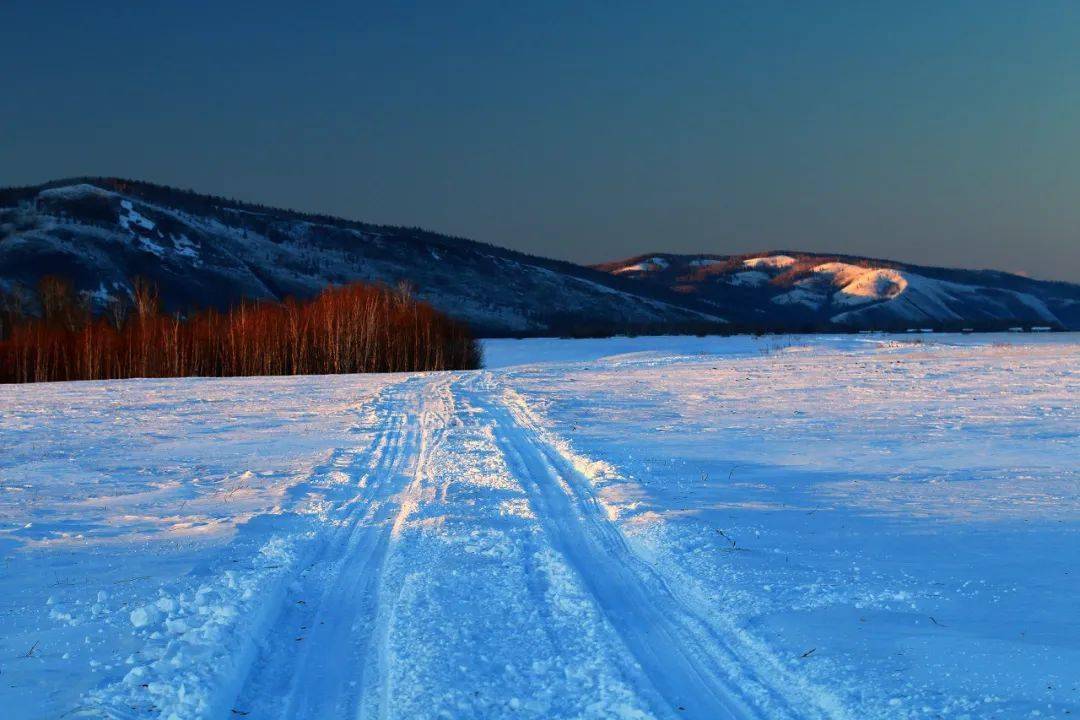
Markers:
{"x": 846, "y": 257}
{"x": 813, "y": 290}
{"x": 204, "y": 250}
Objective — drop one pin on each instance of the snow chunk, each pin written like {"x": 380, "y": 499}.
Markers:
{"x": 143, "y": 616}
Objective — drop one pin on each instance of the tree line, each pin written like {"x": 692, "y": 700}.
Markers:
{"x": 354, "y": 328}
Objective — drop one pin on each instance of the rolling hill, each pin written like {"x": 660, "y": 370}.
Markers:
{"x": 810, "y": 291}
{"x": 207, "y": 251}
{"x": 202, "y": 251}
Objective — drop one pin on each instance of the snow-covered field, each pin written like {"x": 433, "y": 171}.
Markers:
{"x": 804, "y": 527}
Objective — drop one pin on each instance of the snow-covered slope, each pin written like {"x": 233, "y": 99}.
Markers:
{"x": 203, "y": 250}
{"x": 807, "y": 291}
{"x": 781, "y": 528}
{"x": 211, "y": 251}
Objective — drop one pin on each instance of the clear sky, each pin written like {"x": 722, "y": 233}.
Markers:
{"x": 934, "y": 132}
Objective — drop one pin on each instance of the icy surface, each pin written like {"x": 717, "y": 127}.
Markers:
{"x": 786, "y": 527}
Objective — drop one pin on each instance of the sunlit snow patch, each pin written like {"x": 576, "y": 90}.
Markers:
{"x": 653, "y": 263}
{"x": 771, "y": 262}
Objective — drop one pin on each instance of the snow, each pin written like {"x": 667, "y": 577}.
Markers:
{"x": 921, "y": 297}
{"x": 654, "y": 263}
{"x": 800, "y": 295}
{"x": 861, "y": 285}
{"x": 850, "y": 285}
{"x": 876, "y": 284}
{"x": 152, "y": 247}
{"x": 74, "y": 192}
{"x": 851, "y": 291}
{"x": 131, "y": 217}
{"x": 1037, "y": 305}
{"x": 134, "y": 518}
{"x": 752, "y": 278}
{"x": 638, "y": 300}
{"x": 773, "y": 263}
{"x": 542, "y": 352}
{"x": 781, "y": 527}
{"x": 100, "y": 297}
{"x": 183, "y": 246}
{"x": 131, "y": 220}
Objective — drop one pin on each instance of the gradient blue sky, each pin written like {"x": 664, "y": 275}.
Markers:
{"x": 934, "y": 132}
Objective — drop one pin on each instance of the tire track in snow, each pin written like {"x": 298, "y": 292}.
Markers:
{"x": 323, "y": 656}
{"x": 432, "y": 420}
{"x": 343, "y": 665}
{"x": 486, "y": 619}
{"x": 689, "y": 663}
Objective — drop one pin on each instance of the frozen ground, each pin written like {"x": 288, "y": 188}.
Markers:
{"x": 832, "y": 527}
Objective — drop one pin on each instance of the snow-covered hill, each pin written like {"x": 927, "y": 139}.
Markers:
{"x": 203, "y": 251}
{"x": 792, "y": 290}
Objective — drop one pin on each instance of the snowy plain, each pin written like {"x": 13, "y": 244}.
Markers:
{"x": 783, "y": 527}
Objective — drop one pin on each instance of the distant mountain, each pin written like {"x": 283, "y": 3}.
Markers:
{"x": 807, "y": 291}
{"x": 208, "y": 251}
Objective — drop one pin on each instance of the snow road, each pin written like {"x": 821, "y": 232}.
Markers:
{"x": 343, "y": 664}
{"x": 653, "y": 528}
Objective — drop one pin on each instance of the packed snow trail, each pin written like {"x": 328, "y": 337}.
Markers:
{"x": 336, "y": 650}
{"x": 322, "y": 658}
{"x": 682, "y": 657}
